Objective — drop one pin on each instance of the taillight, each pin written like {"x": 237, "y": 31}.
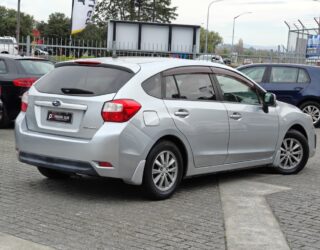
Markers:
{"x": 24, "y": 82}
{"x": 24, "y": 102}
{"x": 120, "y": 110}
{"x": 87, "y": 62}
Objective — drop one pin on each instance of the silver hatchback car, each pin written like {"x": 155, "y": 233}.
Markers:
{"x": 155, "y": 121}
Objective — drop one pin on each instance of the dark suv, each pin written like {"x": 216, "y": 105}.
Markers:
{"x": 17, "y": 74}
{"x": 292, "y": 83}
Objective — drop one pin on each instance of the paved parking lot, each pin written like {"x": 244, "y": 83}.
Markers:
{"x": 91, "y": 213}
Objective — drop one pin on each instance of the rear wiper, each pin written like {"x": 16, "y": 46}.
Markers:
{"x": 73, "y": 91}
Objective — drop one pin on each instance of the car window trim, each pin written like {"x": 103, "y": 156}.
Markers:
{"x": 187, "y": 70}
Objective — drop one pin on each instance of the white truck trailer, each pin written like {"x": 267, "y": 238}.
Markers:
{"x": 153, "y": 37}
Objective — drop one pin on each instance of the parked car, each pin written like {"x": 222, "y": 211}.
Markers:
{"x": 294, "y": 84}
{"x": 154, "y": 121}
{"x": 17, "y": 74}
{"x": 9, "y": 45}
{"x": 227, "y": 61}
{"x": 247, "y": 61}
{"x": 211, "y": 58}
{"x": 40, "y": 52}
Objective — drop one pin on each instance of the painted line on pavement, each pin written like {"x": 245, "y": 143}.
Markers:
{"x": 249, "y": 220}
{"x": 9, "y": 242}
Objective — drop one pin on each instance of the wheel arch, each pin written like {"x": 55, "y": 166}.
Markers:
{"x": 309, "y": 99}
{"x": 300, "y": 129}
{"x": 181, "y": 146}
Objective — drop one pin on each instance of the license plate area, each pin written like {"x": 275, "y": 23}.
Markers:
{"x": 62, "y": 117}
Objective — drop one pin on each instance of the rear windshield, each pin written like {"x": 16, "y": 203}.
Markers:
{"x": 83, "y": 81}
{"x": 36, "y": 67}
{"x": 6, "y": 41}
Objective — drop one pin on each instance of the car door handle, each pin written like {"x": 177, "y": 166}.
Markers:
{"x": 236, "y": 116}
{"x": 181, "y": 113}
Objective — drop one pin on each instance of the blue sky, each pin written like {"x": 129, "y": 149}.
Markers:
{"x": 264, "y": 27}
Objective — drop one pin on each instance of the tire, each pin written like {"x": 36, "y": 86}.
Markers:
{"x": 53, "y": 174}
{"x": 313, "y": 109}
{"x": 291, "y": 161}
{"x": 161, "y": 180}
{"x": 4, "y": 119}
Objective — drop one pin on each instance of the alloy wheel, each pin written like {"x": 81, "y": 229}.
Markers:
{"x": 291, "y": 153}
{"x": 165, "y": 170}
{"x": 313, "y": 111}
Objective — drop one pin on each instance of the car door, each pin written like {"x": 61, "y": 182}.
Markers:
{"x": 193, "y": 104}
{"x": 287, "y": 83}
{"x": 253, "y": 133}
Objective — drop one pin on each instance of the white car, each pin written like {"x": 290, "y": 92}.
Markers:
{"x": 154, "y": 121}
{"x": 9, "y": 45}
{"x": 211, "y": 58}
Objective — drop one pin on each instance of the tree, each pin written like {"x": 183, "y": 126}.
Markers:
{"x": 239, "y": 47}
{"x": 58, "y": 26}
{"x": 214, "y": 39}
{"x": 41, "y": 27}
{"x": 92, "y": 33}
{"x": 135, "y": 10}
{"x": 8, "y": 22}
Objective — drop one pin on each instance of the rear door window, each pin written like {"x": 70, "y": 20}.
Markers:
{"x": 284, "y": 75}
{"x": 36, "y": 67}
{"x": 195, "y": 87}
{"x": 83, "y": 80}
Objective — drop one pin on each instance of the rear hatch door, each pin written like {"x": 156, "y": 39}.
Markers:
{"x": 68, "y": 101}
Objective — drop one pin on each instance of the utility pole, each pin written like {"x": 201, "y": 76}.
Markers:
{"x": 207, "y": 31}
{"x": 18, "y": 23}
{"x": 154, "y": 11}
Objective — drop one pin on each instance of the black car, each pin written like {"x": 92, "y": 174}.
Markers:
{"x": 17, "y": 74}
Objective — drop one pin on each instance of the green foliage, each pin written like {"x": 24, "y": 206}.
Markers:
{"x": 135, "y": 10}
{"x": 58, "y": 26}
{"x": 92, "y": 33}
{"x": 214, "y": 39}
{"x": 8, "y": 22}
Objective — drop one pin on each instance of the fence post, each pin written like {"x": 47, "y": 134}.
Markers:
{"x": 114, "y": 49}
{"x": 28, "y": 45}
{"x": 194, "y": 52}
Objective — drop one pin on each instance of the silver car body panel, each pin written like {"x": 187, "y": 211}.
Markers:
{"x": 126, "y": 145}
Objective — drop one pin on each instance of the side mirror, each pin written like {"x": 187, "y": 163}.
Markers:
{"x": 269, "y": 99}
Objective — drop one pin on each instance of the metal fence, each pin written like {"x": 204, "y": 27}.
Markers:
{"x": 68, "y": 49}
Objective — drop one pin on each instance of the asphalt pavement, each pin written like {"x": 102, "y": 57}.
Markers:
{"x": 205, "y": 213}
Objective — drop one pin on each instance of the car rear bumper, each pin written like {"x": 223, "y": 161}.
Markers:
{"x": 69, "y": 166}
{"x": 113, "y": 143}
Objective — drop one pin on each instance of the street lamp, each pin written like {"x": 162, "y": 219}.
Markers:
{"x": 234, "y": 23}
{"x": 18, "y": 23}
{"x": 207, "y": 31}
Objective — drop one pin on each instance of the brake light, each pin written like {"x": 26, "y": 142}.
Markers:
{"x": 105, "y": 164}
{"x": 24, "y": 102}
{"x": 120, "y": 110}
{"x": 24, "y": 82}
{"x": 84, "y": 62}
